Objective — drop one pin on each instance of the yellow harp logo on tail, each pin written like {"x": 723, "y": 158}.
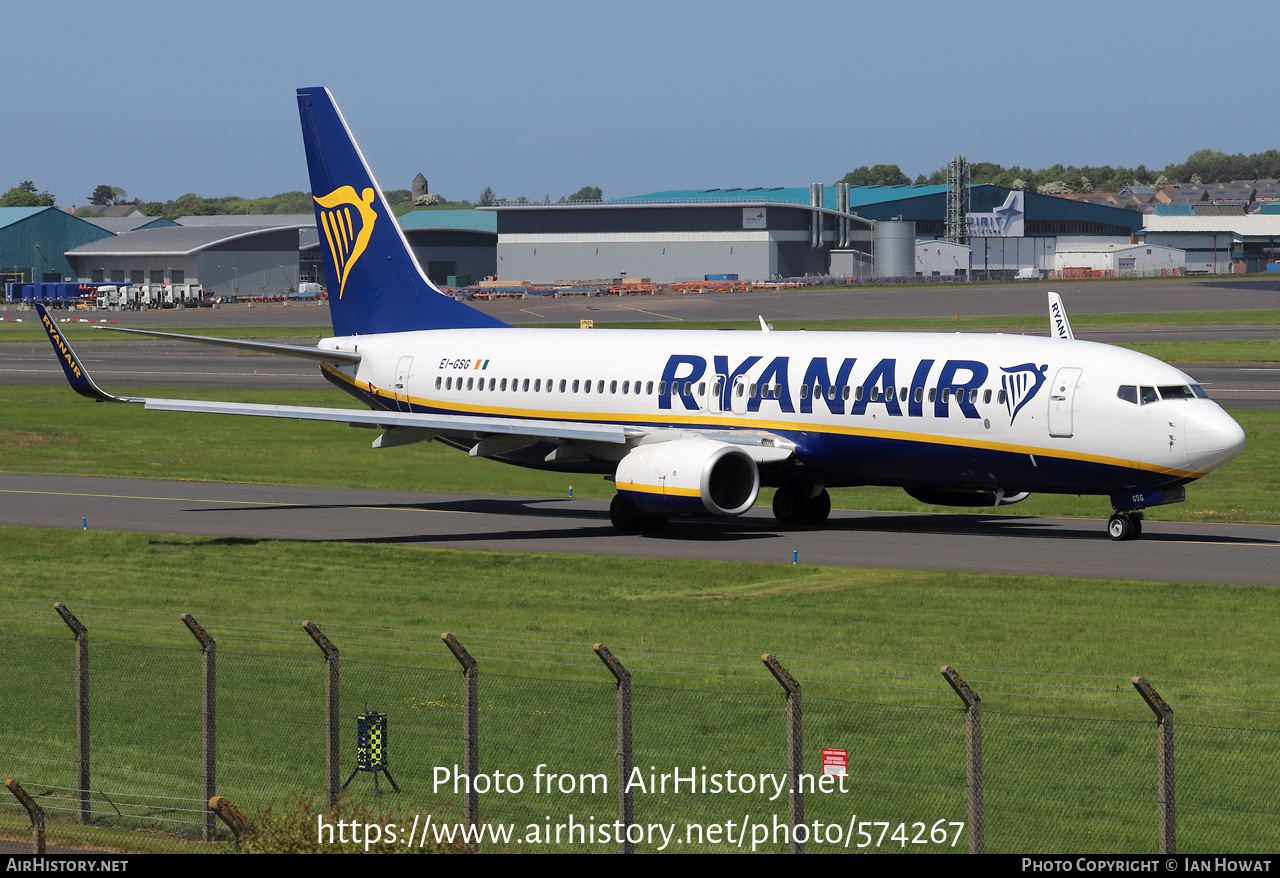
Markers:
{"x": 347, "y": 222}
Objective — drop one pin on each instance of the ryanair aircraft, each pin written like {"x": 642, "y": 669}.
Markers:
{"x": 688, "y": 422}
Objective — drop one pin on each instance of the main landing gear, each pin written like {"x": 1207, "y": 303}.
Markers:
{"x": 794, "y": 506}
{"x": 628, "y": 519}
{"x": 1125, "y": 526}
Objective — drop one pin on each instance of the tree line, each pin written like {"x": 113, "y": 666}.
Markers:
{"x": 1204, "y": 166}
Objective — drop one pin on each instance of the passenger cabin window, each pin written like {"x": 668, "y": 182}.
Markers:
{"x": 1001, "y": 396}
{"x": 439, "y": 381}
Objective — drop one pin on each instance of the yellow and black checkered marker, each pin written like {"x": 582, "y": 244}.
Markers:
{"x": 371, "y": 748}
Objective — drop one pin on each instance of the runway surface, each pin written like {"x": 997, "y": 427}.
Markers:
{"x": 1206, "y": 293}
{"x": 969, "y": 542}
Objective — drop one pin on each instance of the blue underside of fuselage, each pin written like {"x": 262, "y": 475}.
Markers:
{"x": 841, "y": 460}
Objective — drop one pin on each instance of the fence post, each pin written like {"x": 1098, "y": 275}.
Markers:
{"x": 470, "y": 727}
{"x": 239, "y": 825}
{"x": 331, "y": 718}
{"x": 973, "y": 757}
{"x": 795, "y": 746}
{"x": 626, "y": 810}
{"x": 82, "y": 704}
{"x": 1165, "y": 793}
{"x": 210, "y": 711}
{"x": 34, "y": 811}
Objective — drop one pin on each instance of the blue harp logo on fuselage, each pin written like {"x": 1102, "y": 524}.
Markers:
{"x": 346, "y": 220}
{"x": 1021, "y": 384}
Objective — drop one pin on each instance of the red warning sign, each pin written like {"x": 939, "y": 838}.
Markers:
{"x": 835, "y": 763}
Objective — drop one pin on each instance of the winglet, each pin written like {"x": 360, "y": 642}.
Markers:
{"x": 77, "y": 376}
{"x": 1059, "y": 325}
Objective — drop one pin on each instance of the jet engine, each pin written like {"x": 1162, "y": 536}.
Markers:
{"x": 693, "y": 475}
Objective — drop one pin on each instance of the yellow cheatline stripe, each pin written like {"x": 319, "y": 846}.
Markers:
{"x": 657, "y": 489}
{"x": 224, "y": 502}
{"x": 707, "y": 419}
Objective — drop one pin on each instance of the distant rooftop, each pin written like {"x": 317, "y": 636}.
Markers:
{"x": 465, "y": 220}
{"x": 858, "y": 195}
{"x": 254, "y": 220}
{"x": 172, "y": 240}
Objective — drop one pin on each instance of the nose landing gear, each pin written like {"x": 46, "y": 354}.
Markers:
{"x": 1125, "y": 526}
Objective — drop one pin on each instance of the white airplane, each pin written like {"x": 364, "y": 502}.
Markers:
{"x": 688, "y": 422}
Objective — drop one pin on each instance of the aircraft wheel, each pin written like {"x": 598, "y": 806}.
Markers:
{"x": 652, "y": 524}
{"x": 624, "y": 515}
{"x": 789, "y": 505}
{"x": 819, "y": 508}
{"x": 1124, "y": 526}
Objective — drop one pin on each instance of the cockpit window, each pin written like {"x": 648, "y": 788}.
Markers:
{"x": 1147, "y": 395}
{"x": 1199, "y": 391}
{"x": 1176, "y": 391}
{"x": 1128, "y": 392}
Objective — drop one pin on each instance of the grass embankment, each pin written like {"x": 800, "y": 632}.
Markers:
{"x": 1076, "y": 776}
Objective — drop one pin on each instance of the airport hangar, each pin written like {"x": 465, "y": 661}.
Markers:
{"x": 772, "y": 233}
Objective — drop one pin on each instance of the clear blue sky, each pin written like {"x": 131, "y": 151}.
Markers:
{"x": 536, "y": 98}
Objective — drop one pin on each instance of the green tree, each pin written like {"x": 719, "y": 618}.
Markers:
{"x": 587, "y": 193}
{"x": 107, "y": 195}
{"x": 876, "y": 175}
{"x": 25, "y": 195}
{"x": 487, "y": 197}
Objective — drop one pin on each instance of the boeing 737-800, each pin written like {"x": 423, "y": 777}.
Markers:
{"x": 689, "y": 422}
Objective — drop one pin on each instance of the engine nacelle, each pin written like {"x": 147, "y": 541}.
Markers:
{"x": 689, "y": 476}
{"x": 941, "y": 497}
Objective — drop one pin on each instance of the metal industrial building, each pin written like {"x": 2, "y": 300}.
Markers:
{"x": 751, "y": 236}
{"x": 457, "y": 244}
{"x": 222, "y": 259}
{"x": 1219, "y": 244}
{"x": 34, "y": 242}
{"x": 762, "y": 234}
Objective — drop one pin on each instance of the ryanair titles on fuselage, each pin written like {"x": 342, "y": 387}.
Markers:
{"x": 955, "y": 381}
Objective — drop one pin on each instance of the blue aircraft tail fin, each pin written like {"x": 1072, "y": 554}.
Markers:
{"x": 374, "y": 283}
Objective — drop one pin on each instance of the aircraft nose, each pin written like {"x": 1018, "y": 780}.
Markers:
{"x": 1212, "y": 436}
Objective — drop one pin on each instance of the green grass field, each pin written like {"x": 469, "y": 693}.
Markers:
{"x": 1050, "y": 656}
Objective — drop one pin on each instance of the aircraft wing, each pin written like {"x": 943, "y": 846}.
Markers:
{"x": 537, "y": 429}
{"x": 1059, "y": 325}
{"x": 403, "y": 427}
{"x": 82, "y": 383}
{"x": 288, "y": 350}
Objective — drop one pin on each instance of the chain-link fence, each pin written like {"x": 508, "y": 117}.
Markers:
{"x": 122, "y": 734}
